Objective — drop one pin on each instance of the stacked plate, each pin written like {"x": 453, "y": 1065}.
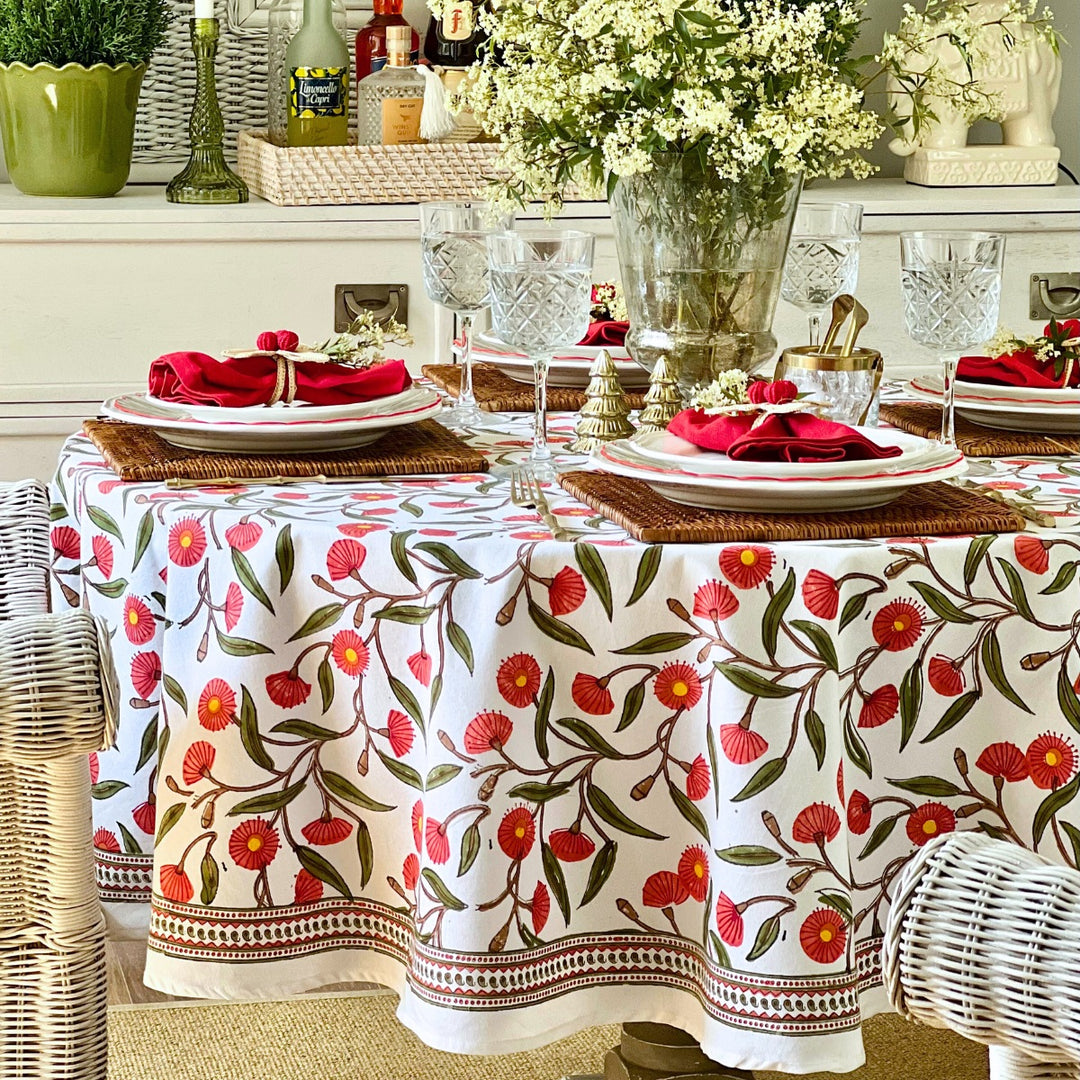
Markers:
{"x": 1013, "y": 408}
{"x": 570, "y": 368}
{"x": 686, "y": 474}
{"x": 273, "y": 429}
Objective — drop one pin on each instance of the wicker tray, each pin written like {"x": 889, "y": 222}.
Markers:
{"x": 931, "y": 510}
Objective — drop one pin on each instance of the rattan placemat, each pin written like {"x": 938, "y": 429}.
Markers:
{"x": 496, "y": 392}
{"x": 924, "y": 418}
{"x": 134, "y": 452}
{"x": 932, "y": 510}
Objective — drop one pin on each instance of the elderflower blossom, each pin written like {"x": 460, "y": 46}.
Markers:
{"x": 364, "y": 342}
{"x": 727, "y": 389}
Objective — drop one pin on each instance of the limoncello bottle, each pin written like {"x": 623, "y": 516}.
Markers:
{"x": 317, "y": 63}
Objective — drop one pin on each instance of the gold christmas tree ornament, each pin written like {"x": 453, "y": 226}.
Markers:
{"x": 663, "y": 400}
{"x": 606, "y": 413}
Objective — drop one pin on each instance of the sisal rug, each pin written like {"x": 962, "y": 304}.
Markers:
{"x": 357, "y": 1037}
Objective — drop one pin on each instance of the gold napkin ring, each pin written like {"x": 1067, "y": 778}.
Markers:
{"x": 285, "y": 385}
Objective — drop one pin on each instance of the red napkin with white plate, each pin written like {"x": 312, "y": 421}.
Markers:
{"x": 606, "y": 332}
{"x": 1014, "y": 369}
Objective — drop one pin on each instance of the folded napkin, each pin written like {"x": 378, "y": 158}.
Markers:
{"x": 197, "y": 379}
{"x": 779, "y": 437}
{"x": 1014, "y": 369}
{"x": 606, "y": 332}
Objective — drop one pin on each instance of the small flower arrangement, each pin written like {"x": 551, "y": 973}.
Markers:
{"x": 361, "y": 345}
{"x": 1059, "y": 345}
{"x": 608, "y": 302}
{"x": 734, "y": 392}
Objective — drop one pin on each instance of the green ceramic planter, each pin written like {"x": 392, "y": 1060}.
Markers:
{"x": 68, "y": 131}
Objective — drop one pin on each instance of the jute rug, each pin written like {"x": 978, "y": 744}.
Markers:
{"x": 356, "y": 1037}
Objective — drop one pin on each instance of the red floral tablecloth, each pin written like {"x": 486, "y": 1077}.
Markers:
{"x": 394, "y": 732}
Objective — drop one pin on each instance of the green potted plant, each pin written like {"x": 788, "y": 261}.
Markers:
{"x": 70, "y": 73}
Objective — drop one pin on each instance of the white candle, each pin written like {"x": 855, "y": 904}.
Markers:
{"x": 204, "y": 9}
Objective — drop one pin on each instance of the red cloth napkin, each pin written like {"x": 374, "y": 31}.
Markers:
{"x": 779, "y": 437}
{"x": 606, "y": 332}
{"x": 1014, "y": 369}
{"x": 197, "y": 379}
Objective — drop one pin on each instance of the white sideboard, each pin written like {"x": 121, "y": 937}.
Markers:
{"x": 93, "y": 290}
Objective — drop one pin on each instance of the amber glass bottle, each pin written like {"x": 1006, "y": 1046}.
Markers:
{"x": 371, "y": 40}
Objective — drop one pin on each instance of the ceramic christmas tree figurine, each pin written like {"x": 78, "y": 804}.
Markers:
{"x": 662, "y": 401}
{"x": 605, "y": 414}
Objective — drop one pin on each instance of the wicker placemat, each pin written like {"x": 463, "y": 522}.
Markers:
{"x": 134, "y": 452}
{"x": 932, "y": 510}
{"x": 496, "y": 392}
{"x": 924, "y": 418}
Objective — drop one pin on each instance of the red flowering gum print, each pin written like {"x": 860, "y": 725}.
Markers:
{"x": 198, "y": 761}
{"x": 145, "y": 816}
{"x": 103, "y": 555}
{"x": 487, "y": 731}
{"x": 175, "y": 885}
{"x": 217, "y": 705}
{"x": 945, "y": 676}
{"x": 350, "y": 653}
{"x": 541, "y": 907}
{"x": 106, "y": 841}
{"x": 591, "y": 694}
{"x": 410, "y": 871}
{"x": 517, "y": 831}
{"x": 138, "y": 621}
{"x": 327, "y": 830}
{"x": 570, "y": 845}
{"x": 821, "y": 594}
{"x": 566, "y": 592}
{"x": 438, "y": 846}
{"x": 146, "y": 674}
{"x": 1031, "y": 553}
{"x": 746, "y": 567}
{"x": 254, "y": 844}
{"x": 95, "y": 768}
{"x": 243, "y": 536}
{"x": 929, "y": 820}
{"x": 664, "y": 889}
{"x": 518, "y": 680}
{"x": 840, "y": 781}
{"x": 879, "y": 707}
{"x": 897, "y": 625}
{"x": 729, "y": 920}
{"x": 817, "y": 823}
{"x": 677, "y": 686}
{"x": 698, "y": 779}
{"x": 418, "y": 825}
{"x": 234, "y": 605}
{"x": 187, "y": 542}
{"x": 714, "y": 600}
{"x": 859, "y": 812}
{"x": 400, "y": 732}
{"x": 420, "y": 666}
{"x": 344, "y": 559}
{"x": 1051, "y": 760}
{"x": 823, "y": 936}
{"x": 286, "y": 689}
{"x": 1006, "y": 760}
{"x": 65, "y": 542}
{"x": 694, "y": 872}
{"x": 741, "y": 745}
{"x": 308, "y": 888}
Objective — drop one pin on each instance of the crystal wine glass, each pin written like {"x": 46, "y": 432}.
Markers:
{"x": 456, "y": 277}
{"x": 541, "y": 289}
{"x": 951, "y": 286}
{"x": 822, "y": 259}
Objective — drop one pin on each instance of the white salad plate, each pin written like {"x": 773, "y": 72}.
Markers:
{"x": 769, "y": 490}
{"x": 569, "y": 368}
{"x": 1048, "y": 413}
{"x": 272, "y": 429}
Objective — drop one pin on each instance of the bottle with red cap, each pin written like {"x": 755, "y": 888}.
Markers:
{"x": 371, "y": 40}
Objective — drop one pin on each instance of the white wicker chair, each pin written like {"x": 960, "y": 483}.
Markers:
{"x": 24, "y": 549}
{"x": 984, "y": 938}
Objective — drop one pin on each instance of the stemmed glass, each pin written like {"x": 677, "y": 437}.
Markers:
{"x": 823, "y": 258}
{"x": 541, "y": 290}
{"x": 951, "y": 286}
{"x": 456, "y": 277}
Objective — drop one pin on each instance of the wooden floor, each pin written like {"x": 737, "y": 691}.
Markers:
{"x": 125, "y": 961}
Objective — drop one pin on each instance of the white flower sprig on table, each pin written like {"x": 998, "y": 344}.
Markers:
{"x": 732, "y": 392}
{"x": 608, "y": 301}
{"x": 364, "y": 342}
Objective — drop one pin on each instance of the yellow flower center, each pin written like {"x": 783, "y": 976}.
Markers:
{"x": 699, "y": 870}
{"x": 185, "y": 539}
{"x": 679, "y": 688}
{"x": 521, "y": 679}
{"x": 748, "y": 557}
{"x": 255, "y": 841}
{"x": 351, "y": 656}
{"x": 1053, "y": 758}
{"x": 826, "y": 933}
{"x": 900, "y": 624}
{"x": 213, "y": 705}
{"x": 929, "y": 826}
{"x": 133, "y": 617}
{"x": 519, "y": 832}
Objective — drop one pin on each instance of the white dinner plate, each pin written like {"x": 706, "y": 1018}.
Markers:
{"x": 265, "y": 429}
{"x": 993, "y": 394}
{"x": 1010, "y": 416}
{"x": 569, "y": 368}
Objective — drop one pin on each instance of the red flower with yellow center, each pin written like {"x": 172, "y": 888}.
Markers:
{"x": 897, "y": 625}
{"x": 746, "y": 567}
{"x": 175, "y": 885}
{"x": 677, "y": 686}
{"x": 438, "y": 846}
{"x": 420, "y": 666}
{"x": 821, "y": 594}
{"x": 254, "y": 844}
{"x": 350, "y": 653}
{"x": 714, "y": 600}
{"x": 487, "y": 731}
{"x": 198, "y": 761}
{"x": 145, "y": 816}
{"x": 286, "y": 689}
{"x": 879, "y": 707}
{"x": 541, "y": 907}
{"x": 566, "y": 592}
{"x": 217, "y": 705}
{"x": 103, "y": 555}
{"x": 234, "y": 605}
{"x": 410, "y": 871}
{"x": 361, "y": 528}
{"x": 1051, "y": 760}
{"x": 517, "y": 831}
{"x": 399, "y": 732}
{"x": 243, "y": 536}
{"x": 65, "y": 542}
{"x": 591, "y": 694}
{"x": 929, "y": 820}
{"x": 327, "y": 830}
{"x": 694, "y": 871}
{"x": 859, "y": 813}
{"x": 817, "y": 823}
{"x": 138, "y": 621}
{"x": 187, "y": 542}
{"x": 823, "y": 936}
{"x": 1032, "y": 553}
{"x": 945, "y": 676}
{"x": 106, "y": 841}
{"x": 146, "y": 674}
{"x": 664, "y": 889}
{"x": 518, "y": 680}
{"x": 698, "y": 780}
{"x": 308, "y": 888}
{"x": 741, "y": 745}
{"x": 570, "y": 845}
{"x": 418, "y": 825}
{"x": 729, "y": 920}
{"x": 1006, "y": 760}
{"x": 344, "y": 559}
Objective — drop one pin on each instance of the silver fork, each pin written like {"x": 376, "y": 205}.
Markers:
{"x": 526, "y": 492}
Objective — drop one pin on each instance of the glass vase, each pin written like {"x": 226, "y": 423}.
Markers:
{"x": 701, "y": 259}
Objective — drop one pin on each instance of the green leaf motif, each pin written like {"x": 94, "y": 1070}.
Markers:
{"x": 635, "y": 698}
{"x": 148, "y": 743}
{"x": 589, "y": 736}
{"x": 856, "y": 748}
{"x": 882, "y": 831}
{"x": 470, "y": 848}
{"x": 319, "y": 619}
{"x": 318, "y": 866}
{"x": 412, "y": 614}
{"x": 326, "y": 683}
{"x": 285, "y": 557}
{"x": 269, "y": 801}
{"x": 1067, "y": 698}
{"x": 1073, "y": 833}
{"x": 208, "y": 870}
{"x": 1062, "y": 579}
{"x": 168, "y": 820}
{"x": 249, "y": 732}
{"x": 105, "y": 523}
{"x": 722, "y": 957}
{"x": 774, "y": 614}
{"x": 556, "y": 881}
{"x": 656, "y": 643}
{"x": 441, "y": 774}
{"x": 646, "y": 572}
{"x": 766, "y": 775}
{"x": 543, "y": 713}
{"x": 995, "y": 670}
{"x": 714, "y": 761}
{"x": 112, "y": 589}
{"x": 1052, "y": 805}
{"x": 977, "y": 549}
{"x": 689, "y": 810}
{"x": 238, "y": 646}
{"x": 106, "y": 789}
{"x": 142, "y": 537}
{"x": 304, "y": 729}
{"x": 407, "y": 700}
{"x": 400, "y": 771}
{"x": 556, "y": 629}
{"x": 345, "y": 789}
{"x": 364, "y": 852}
{"x": 606, "y": 809}
{"x": 819, "y": 637}
{"x": 461, "y": 644}
{"x": 853, "y": 608}
{"x": 449, "y": 558}
{"x": 839, "y": 903}
{"x": 533, "y": 791}
{"x": 400, "y": 555}
{"x": 131, "y": 845}
{"x": 953, "y": 715}
{"x": 750, "y": 682}
{"x": 1016, "y": 590}
{"x": 932, "y": 787}
{"x": 911, "y": 694}
{"x": 748, "y": 855}
{"x": 940, "y": 604}
{"x": 767, "y": 934}
{"x": 814, "y": 727}
{"x": 592, "y": 566}
{"x": 602, "y": 865}
{"x": 248, "y": 579}
{"x": 175, "y": 691}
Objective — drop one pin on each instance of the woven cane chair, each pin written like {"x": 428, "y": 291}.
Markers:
{"x": 24, "y": 549}
{"x": 984, "y": 938}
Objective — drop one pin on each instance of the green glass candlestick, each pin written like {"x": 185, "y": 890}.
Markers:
{"x": 206, "y": 178}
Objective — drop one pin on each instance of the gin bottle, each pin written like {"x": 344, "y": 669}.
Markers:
{"x": 317, "y": 62}
{"x": 391, "y": 100}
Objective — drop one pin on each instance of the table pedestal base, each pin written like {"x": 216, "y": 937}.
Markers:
{"x": 662, "y": 1052}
